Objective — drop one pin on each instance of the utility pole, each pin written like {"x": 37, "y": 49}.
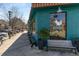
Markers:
{"x": 10, "y": 13}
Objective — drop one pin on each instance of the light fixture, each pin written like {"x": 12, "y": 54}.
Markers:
{"x": 59, "y": 9}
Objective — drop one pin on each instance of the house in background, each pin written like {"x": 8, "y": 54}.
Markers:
{"x": 61, "y": 19}
{"x": 3, "y": 24}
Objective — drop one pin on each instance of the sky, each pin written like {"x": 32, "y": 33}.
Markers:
{"x": 23, "y": 8}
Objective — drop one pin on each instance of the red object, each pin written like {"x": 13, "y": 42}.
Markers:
{"x": 37, "y": 5}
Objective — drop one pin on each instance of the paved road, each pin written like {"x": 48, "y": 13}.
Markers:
{"x": 21, "y": 47}
{"x": 7, "y": 43}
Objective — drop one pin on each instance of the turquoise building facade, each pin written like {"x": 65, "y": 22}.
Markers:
{"x": 42, "y": 19}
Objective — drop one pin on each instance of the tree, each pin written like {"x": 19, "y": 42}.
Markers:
{"x": 17, "y": 23}
{"x": 15, "y": 18}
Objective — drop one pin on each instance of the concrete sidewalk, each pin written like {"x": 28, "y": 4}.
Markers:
{"x": 7, "y": 43}
{"x": 21, "y": 47}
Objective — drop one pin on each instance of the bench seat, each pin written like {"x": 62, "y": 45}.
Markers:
{"x": 64, "y": 44}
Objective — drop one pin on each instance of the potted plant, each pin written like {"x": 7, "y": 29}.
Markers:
{"x": 44, "y": 35}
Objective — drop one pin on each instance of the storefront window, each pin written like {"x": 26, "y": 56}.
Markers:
{"x": 57, "y": 25}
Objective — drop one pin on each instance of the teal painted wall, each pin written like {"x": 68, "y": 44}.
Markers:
{"x": 72, "y": 21}
{"x": 43, "y": 19}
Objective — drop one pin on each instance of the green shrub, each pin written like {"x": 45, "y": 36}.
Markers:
{"x": 44, "y": 33}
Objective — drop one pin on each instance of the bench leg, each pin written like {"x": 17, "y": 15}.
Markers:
{"x": 75, "y": 51}
{"x": 46, "y": 48}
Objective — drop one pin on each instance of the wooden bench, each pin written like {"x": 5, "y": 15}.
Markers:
{"x": 63, "y": 44}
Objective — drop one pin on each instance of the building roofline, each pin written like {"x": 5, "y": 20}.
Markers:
{"x": 42, "y": 5}
{"x": 32, "y": 12}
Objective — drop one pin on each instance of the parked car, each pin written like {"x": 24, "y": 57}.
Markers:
{"x": 9, "y": 31}
{"x": 4, "y": 35}
{"x": 17, "y": 31}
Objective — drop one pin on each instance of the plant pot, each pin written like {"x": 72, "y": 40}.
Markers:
{"x": 40, "y": 44}
{"x": 45, "y": 43}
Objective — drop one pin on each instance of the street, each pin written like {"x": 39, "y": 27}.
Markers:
{"x": 21, "y": 47}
